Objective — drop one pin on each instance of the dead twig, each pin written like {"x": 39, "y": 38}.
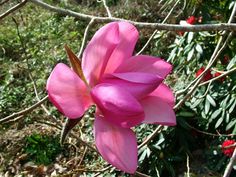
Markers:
{"x": 154, "y": 133}
{"x": 14, "y": 8}
{"x": 230, "y": 165}
{"x": 23, "y": 112}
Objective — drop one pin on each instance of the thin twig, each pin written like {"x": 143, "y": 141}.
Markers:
{"x": 85, "y": 37}
{"x": 153, "y": 34}
{"x": 102, "y": 171}
{"x": 188, "y": 168}
{"x": 230, "y": 165}
{"x": 140, "y": 174}
{"x": 229, "y": 147}
{"x": 209, "y": 134}
{"x": 206, "y": 92}
{"x": 14, "y": 8}
{"x": 151, "y": 136}
{"x": 107, "y": 8}
{"x": 159, "y": 26}
{"x": 1, "y": 159}
{"x": 25, "y": 111}
{"x": 83, "y": 155}
{"x": 14, "y": 120}
{"x": 3, "y": 2}
{"x": 218, "y": 77}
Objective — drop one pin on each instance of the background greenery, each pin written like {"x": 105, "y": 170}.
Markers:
{"x": 32, "y": 41}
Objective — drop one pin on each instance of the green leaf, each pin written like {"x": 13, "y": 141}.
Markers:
{"x": 190, "y": 54}
{"x": 231, "y": 63}
{"x": 211, "y": 100}
{"x": 161, "y": 140}
{"x": 234, "y": 131}
{"x": 232, "y": 107}
{"x": 231, "y": 124}
{"x": 227, "y": 117}
{"x": 148, "y": 152}
{"x": 186, "y": 114}
{"x": 196, "y": 103}
{"x": 207, "y": 106}
{"x": 216, "y": 113}
{"x": 220, "y": 120}
{"x": 190, "y": 37}
{"x": 143, "y": 155}
{"x": 199, "y": 48}
{"x": 224, "y": 102}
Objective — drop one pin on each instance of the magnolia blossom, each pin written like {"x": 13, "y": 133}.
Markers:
{"x": 127, "y": 91}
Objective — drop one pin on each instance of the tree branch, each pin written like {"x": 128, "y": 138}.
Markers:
{"x": 14, "y": 8}
{"x": 25, "y": 111}
{"x": 158, "y": 26}
{"x": 230, "y": 165}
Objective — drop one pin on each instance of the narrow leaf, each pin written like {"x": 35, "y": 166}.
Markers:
{"x": 216, "y": 113}
{"x": 190, "y": 54}
{"x": 75, "y": 63}
{"x": 211, "y": 100}
{"x": 199, "y": 48}
{"x": 220, "y": 120}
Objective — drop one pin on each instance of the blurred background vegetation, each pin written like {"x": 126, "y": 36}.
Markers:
{"x": 32, "y": 41}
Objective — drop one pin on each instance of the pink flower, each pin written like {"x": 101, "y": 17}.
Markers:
{"x": 127, "y": 91}
{"x": 228, "y": 151}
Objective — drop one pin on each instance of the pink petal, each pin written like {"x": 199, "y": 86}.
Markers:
{"x": 164, "y": 93}
{"x": 157, "y": 111}
{"x": 68, "y": 92}
{"x": 136, "y": 83}
{"x": 148, "y": 64}
{"x": 117, "y": 145}
{"x": 98, "y": 51}
{"x": 128, "y": 36}
{"x": 117, "y": 105}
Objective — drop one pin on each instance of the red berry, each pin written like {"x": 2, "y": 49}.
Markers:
{"x": 191, "y": 20}
{"x": 225, "y": 60}
{"x": 218, "y": 74}
{"x": 207, "y": 76}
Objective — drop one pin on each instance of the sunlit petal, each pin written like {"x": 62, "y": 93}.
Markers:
{"x": 117, "y": 145}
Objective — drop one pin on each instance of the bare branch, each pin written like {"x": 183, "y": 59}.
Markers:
{"x": 188, "y": 168}
{"x": 3, "y": 2}
{"x": 218, "y": 77}
{"x": 107, "y": 9}
{"x": 85, "y": 37}
{"x": 230, "y": 164}
{"x": 25, "y": 111}
{"x": 154, "y": 133}
{"x": 140, "y": 174}
{"x": 14, "y": 8}
{"x": 158, "y": 26}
